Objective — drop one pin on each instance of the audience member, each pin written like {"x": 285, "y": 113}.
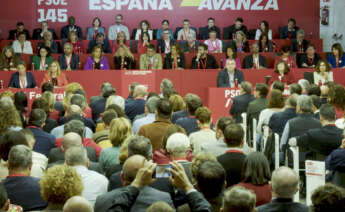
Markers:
{"x": 263, "y": 29}
{"x": 287, "y": 57}
{"x": 144, "y": 27}
{"x": 214, "y": 45}
{"x": 143, "y": 43}
{"x": 285, "y": 184}
{"x": 165, "y": 26}
{"x": 164, "y": 44}
{"x": 322, "y": 73}
{"x": 316, "y": 106}
{"x": 238, "y": 199}
{"x": 42, "y": 60}
{"x": 49, "y": 42}
{"x": 9, "y": 117}
{"x": 240, "y": 103}
{"x": 49, "y": 123}
{"x": 13, "y": 34}
{"x": 231, "y": 53}
{"x": 175, "y": 58}
{"x": 76, "y": 44}
{"x": 97, "y": 61}
{"x": 204, "y": 31}
{"x": 295, "y": 88}
{"x": 5, "y": 204}
{"x": 305, "y": 85}
{"x": 289, "y": 31}
{"x": 265, "y": 45}
{"x": 336, "y": 58}
{"x": 203, "y": 60}
{"x": 96, "y": 28}
{"x": 38, "y": 32}
{"x": 328, "y": 198}
{"x": 230, "y": 31}
{"x": 259, "y": 104}
{"x": 68, "y": 61}
{"x": 299, "y": 44}
{"x": 137, "y": 106}
{"x": 21, "y": 45}
{"x": 22, "y": 78}
{"x": 101, "y": 42}
{"x": 310, "y": 59}
{"x": 124, "y": 59}
{"x": 8, "y": 59}
{"x": 239, "y": 43}
{"x": 118, "y": 27}
{"x": 230, "y": 76}
{"x": 255, "y": 60}
{"x": 120, "y": 41}
{"x": 55, "y": 75}
{"x": 151, "y": 60}
{"x": 150, "y": 114}
{"x": 98, "y": 106}
{"x": 77, "y": 204}
{"x": 336, "y": 97}
{"x": 94, "y": 184}
{"x": 107, "y": 117}
{"x": 177, "y": 102}
{"x": 282, "y": 73}
{"x": 71, "y": 27}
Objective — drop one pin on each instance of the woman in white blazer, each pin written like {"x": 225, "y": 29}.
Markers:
{"x": 323, "y": 73}
{"x": 21, "y": 45}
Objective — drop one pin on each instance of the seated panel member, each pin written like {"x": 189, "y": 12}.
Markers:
{"x": 8, "y": 59}
{"x": 144, "y": 26}
{"x": 124, "y": 59}
{"x": 49, "y": 42}
{"x": 164, "y": 45}
{"x": 337, "y": 57}
{"x": 240, "y": 43}
{"x": 255, "y": 60}
{"x": 38, "y": 32}
{"x": 323, "y": 73}
{"x": 289, "y": 59}
{"x": 175, "y": 59}
{"x": 231, "y": 54}
{"x": 151, "y": 60}
{"x": 22, "y": 78}
{"x": 263, "y": 29}
{"x": 21, "y": 45}
{"x": 230, "y": 76}
{"x": 299, "y": 44}
{"x": 96, "y": 61}
{"x": 203, "y": 60}
{"x": 118, "y": 27}
{"x": 95, "y": 29}
{"x": 99, "y": 41}
{"x": 143, "y": 43}
{"x": 120, "y": 40}
{"x": 282, "y": 73}
{"x": 186, "y": 33}
{"x": 289, "y": 31}
{"x": 214, "y": 45}
{"x": 68, "y": 61}
{"x": 55, "y": 76}
{"x": 43, "y": 59}
{"x": 230, "y": 32}
{"x": 165, "y": 25}
{"x": 310, "y": 59}
{"x": 265, "y": 45}
{"x": 71, "y": 27}
{"x": 13, "y": 34}
{"x": 204, "y": 31}
{"x": 77, "y": 45}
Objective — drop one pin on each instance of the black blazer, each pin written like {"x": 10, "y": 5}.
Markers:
{"x": 232, "y": 44}
{"x": 232, "y": 163}
{"x": 248, "y": 62}
{"x": 56, "y": 154}
{"x": 65, "y": 31}
{"x": 15, "y": 82}
{"x": 269, "y": 47}
{"x": 129, "y": 63}
{"x": 230, "y": 30}
{"x": 105, "y": 46}
{"x": 36, "y": 35}
{"x": 240, "y": 105}
{"x": 74, "y": 62}
{"x": 168, "y": 61}
{"x": 294, "y": 45}
{"x": 204, "y": 32}
{"x": 12, "y": 35}
{"x": 211, "y": 63}
{"x": 321, "y": 141}
{"x": 284, "y": 32}
{"x": 54, "y": 47}
{"x": 280, "y": 204}
{"x": 161, "y": 45}
{"x": 304, "y": 59}
{"x": 223, "y": 78}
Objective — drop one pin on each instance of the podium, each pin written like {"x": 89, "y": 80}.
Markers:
{"x": 220, "y": 101}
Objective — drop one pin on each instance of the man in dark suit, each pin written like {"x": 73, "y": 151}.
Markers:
{"x": 164, "y": 44}
{"x": 289, "y": 31}
{"x": 203, "y": 60}
{"x": 321, "y": 142}
{"x": 100, "y": 40}
{"x": 255, "y": 60}
{"x": 299, "y": 44}
{"x": 15, "y": 81}
{"x": 230, "y": 31}
{"x": 230, "y": 76}
{"x": 137, "y": 106}
{"x": 316, "y": 106}
{"x": 48, "y": 41}
{"x": 278, "y": 120}
{"x": 22, "y": 189}
{"x": 238, "y": 198}
{"x": 57, "y": 154}
{"x": 285, "y": 184}
{"x": 68, "y": 60}
{"x": 38, "y": 32}
{"x": 71, "y": 27}
{"x": 147, "y": 195}
{"x": 240, "y": 103}
{"x": 232, "y": 160}
{"x": 204, "y": 31}
{"x": 44, "y": 141}
{"x": 98, "y": 106}
{"x": 13, "y": 34}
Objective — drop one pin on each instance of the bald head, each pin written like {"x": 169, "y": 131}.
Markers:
{"x": 140, "y": 91}
{"x": 131, "y": 168}
{"x": 70, "y": 140}
{"x": 284, "y": 182}
{"x": 77, "y": 204}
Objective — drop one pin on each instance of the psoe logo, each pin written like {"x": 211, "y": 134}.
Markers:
{"x": 231, "y": 4}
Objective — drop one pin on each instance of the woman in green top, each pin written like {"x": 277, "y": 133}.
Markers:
{"x": 42, "y": 60}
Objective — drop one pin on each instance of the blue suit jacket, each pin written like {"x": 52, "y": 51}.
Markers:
{"x": 90, "y": 32}
{"x": 332, "y": 61}
{"x": 105, "y": 46}
{"x": 15, "y": 82}
{"x": 223, "y": 78}
{"x": 44, "y": 141}
{"x": 284, "y": 32}
{"x": 74, "y": 62}
{"x": 65, "y": 31}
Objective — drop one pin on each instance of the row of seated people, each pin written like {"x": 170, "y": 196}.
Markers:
{"x": 181, "y": 33}
{"x": 176, "y": 59}
{"x": 240, "y": 43}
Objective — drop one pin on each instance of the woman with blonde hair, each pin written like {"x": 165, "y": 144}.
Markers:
{"x": 240, "y": 43}
{"x": 120, "y": 40}
{"x": 71, "y": 89}
{"x": 9, "y": 119}
{"x": 120, "y": 129}
{"x": 123, "y": 58}
{"x": 8, "y": 59}
{"x": 50, "y": 98}
{"x": 55, "y": 76}
{"x": 177, "y": 102}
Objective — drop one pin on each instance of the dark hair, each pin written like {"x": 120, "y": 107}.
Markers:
{"x": 46, "y": 48}
{"x": 286, "y": 67}
{"x": 233, "y": 135}
{"x": 314, "y": 90}
{"x": 210, "y": 178}
{"x": 256, "y": 169}
{"x": 37, "y": 117}
{"x": 316, "y": 101}
{"x": 223, "y": 122}
{"x": 108, "y": 116}
{"x": 20, "y": 101}
{"x": 186, "y": 20}
{"x": 328, "y": 198}
{"x": 233, "y": 50}
{"x": 327, "y": 112}
{"x": 178, "y": 48}
{"x": 210, "y": 18}
{"x": 108, "y": 90}
{"x": 165, "y": 20}
{"x": 266, "y": 26}
{"x": 317, "y": 67}
{"x": 19, "y": 23}
{"x": 295, "y": 88}
{"x": 47, "y": 86}
{"x": 262, "y": 89}
{"x": 310, "y": 45}
{"x": 336, "y": 96}
{"x": 212, "y": 30}
{"x": 140, "y": 145}
{"x": 164, "y": 108}
{"x": 145, "y": 33}
{"x": 285, "y": 49}
{"x": 42, "y": 104}
{"x": 339, "y": 48}
{"x": 119, "y": 111}
{"x": 278, "y": 85}
{"x": 193, "y": 104}
{"x": 99, "y": 20}
{"x": 3, "y": 195}
{"x": 151, "y": 46}
{"x": 21, "y": 33}
{"x": 9, "y": 140}
{"x": 203, "y": 45}
{"x": 292, "y": 20}
{"x": 99, "y": 35}
{"x": 276, "y": 99}
{"x": 146, "y": 22}
{"x": 239, "y": 19}
{"x": 151, "y": 94}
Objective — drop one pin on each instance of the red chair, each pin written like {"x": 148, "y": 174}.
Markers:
{"x": 188, "y": 58}
{"x": 55, "y": 56}
{"x": 110, "y": 59}
{"x": 85, "y": 44}
{"x": 4, "y": 43}
{"x": 27, "y": 59}
{"x": 137, "y": 61}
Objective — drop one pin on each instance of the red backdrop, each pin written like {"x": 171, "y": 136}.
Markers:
{"x": 253, "y": 11}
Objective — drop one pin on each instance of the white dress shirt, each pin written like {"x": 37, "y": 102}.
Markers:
{"x": 114, "y": 29}
{"x": 17, "y": 47}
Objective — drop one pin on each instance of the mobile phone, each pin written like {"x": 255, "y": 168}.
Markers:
{"x": 162, "y": 171}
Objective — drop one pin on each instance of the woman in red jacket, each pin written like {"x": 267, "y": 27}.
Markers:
{"x": 143, "y": 43}
{"x": 55, "y": 76}
{"x": 282, "y": 73}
